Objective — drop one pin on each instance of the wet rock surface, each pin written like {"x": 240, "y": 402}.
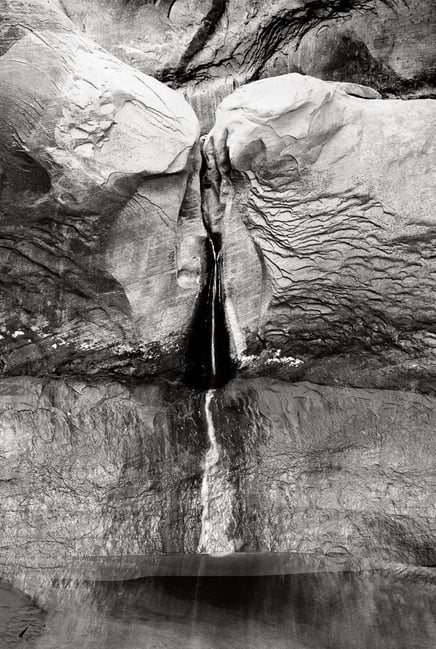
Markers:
{"x": 390, "y": 608}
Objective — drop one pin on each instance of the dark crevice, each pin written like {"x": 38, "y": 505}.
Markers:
{"x": 208, "y": 358}
{"x": 209, "y": 363}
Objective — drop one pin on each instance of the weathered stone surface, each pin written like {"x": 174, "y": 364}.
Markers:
{"x": 323, "y": 197}
{"x": 21, "y": 620}
{"x": 336, "y": 189}
{"x": 388, "y": 48}
{"x": 343, "y": 478}
{"x": 388, "y": 609}
{"x": 101, "y": 469}
{"x": 100, "y": 234}
{"x": 209, "y": 47}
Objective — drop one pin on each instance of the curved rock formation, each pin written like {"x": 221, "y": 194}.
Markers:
{"x": 100, "y": 234}
{"x": 209, "y": 47}
{"x": 336, "y": 189}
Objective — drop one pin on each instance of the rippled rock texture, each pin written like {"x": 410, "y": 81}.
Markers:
{"x": 336, "y": 189}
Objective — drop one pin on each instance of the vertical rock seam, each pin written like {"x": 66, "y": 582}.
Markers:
{"x": 209, "y": 363}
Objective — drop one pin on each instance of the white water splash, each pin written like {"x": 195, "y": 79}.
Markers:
{"x": 216, "y": 495}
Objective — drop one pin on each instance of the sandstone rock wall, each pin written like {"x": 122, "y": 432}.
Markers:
{"x": 335, "y": 187}
{"x": 101, "y": 240}
{"x": 99, "y": 469}
{"x": 318, "y": 193}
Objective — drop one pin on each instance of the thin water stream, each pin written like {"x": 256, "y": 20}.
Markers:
{"x": 216, "y": 494}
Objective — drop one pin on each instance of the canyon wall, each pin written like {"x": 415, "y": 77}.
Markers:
{"x": 248, "y": 185}
{"x": 101, "y": 231}
{"x": 102, "y": 469}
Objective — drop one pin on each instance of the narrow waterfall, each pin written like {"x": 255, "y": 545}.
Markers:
{"x": 209, "y": 365}
{"x": 216, "y": 494}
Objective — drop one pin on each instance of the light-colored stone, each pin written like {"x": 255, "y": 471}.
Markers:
{"x": 102, "y": 229}
{"x": 336, "y": 188}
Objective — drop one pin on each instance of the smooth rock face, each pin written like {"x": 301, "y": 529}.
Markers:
{"x": 336, "y": 188}
{"x": 101, "y": 236}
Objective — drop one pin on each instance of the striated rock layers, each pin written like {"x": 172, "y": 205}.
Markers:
{"x": 100, "y": 237}
{"x": 336, "y": 189}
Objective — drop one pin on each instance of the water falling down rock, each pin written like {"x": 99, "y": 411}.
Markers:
{"x": 217, "y": 324}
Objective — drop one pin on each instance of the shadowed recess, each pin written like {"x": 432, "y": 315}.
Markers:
{"x": 208, "y": 359}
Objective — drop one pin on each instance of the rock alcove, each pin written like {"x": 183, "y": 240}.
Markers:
{"x": 217, "y": 331}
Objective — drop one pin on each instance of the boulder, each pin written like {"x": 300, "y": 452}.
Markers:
{"x": 335, "y": 187}
{"x": 100, "y": 230}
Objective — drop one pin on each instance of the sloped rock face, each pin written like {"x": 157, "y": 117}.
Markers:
{"x": 336, "y": 190}
{"x": 101, "y": 238}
